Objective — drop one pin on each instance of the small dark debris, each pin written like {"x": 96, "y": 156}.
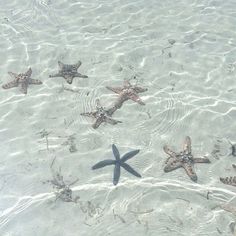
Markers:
{"x": 118, "y": 216}
{"x": 208, "y": 193}
{"x": 6, "y": 19}
{"x": 63, "y": 190}
{"x": 120, "y": 68}
{"x": 233, "y": 148}
{"x": 232, "y": 227}
{"x": 149, "y": 115}
{"x": 191, "y": 45}
{"x": 171, "y": 41}
{"x": 218, "y": 230}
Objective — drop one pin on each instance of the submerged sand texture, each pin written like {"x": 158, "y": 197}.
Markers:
{"x": 183, "y": 52}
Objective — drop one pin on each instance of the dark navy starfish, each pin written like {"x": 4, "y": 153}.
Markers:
{"x": 118, "y": 162}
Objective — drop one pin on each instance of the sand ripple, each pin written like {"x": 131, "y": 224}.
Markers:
{"x": 183, "y": 52}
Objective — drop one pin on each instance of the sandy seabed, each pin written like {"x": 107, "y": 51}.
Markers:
{"x": 183, "y": 51}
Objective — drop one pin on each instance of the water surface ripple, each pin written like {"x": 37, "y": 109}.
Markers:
{"x": 183, "y": 52}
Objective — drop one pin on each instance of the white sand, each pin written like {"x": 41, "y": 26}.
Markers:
{"x": 191, "y": 91}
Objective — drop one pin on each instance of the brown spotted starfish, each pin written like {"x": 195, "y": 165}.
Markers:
{"x": 183, "y": 159}
{"x": 22, "y": 79}
{"x": 127, "y": 92}
{"x": 229, "y": 180}
{"x": 101, "y": 115}
{"x": 68, "y": 72}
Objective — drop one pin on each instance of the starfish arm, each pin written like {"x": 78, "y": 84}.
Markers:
{"x": 172, "y": 164}
{"x": 69, "y": 78}
{"x": 129, "y": 155}
{"x": 201, "y": 160}
{"x": 28, "y": 72}
{"x": 119, "y": 101}
{"x": 229, "y": 180}
{"x": 13, "y": 75}
{"x": 98, "y": 103}
{"x": 89, "y": 114}
{"x": 115, "y": 89}
{"x": 190, "y": 171}
{"x": 104, "y": 163}
{"x": 111, "y": 110}
{"x": 115, "y": 152}
{"x": 80, "y": 75}
{"x": 61, "y": 65}
{"x": 24, "y": 87}
{"x": 130, "y": 170}
{"x": 78, "y": 64}
{"x": 34, "y": 81}
{"x": 112, "y": 121}
{"x": 127, "y": 83}
{"x": 116, "y": 175}
{"x": 11, "y": 84}
{"x": 140, "y": 90}
{"x": 97, "y": 123}
{"x": 136, "y": 98}
{"x": 56, "y": 75}
{"x": 187, "y": 145}
{"x": 168, "y": 151}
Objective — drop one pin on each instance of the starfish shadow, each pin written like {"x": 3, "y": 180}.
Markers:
{"x": 118, "y": 163}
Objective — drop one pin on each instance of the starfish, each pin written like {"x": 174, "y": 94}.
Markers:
{"x": 183, "y": 159}
{"x": 118, "y": 162}
{"x": 22, "y": 79}
{"x": 127, "y": 92}
{"x": 229, "y": 180}
{"x": 68, "y": 72}
{"x": 101, "y": 115}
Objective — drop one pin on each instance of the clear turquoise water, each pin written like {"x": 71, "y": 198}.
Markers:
{"x": 191, "y": 91}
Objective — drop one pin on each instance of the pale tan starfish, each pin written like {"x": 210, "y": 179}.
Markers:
{"x": 127, "y": 92}
{"x": 229, "y": 180}
{"x": 68, "y": 72}
{"x": 183, "y": 159}
{"x": 23, "y": 80}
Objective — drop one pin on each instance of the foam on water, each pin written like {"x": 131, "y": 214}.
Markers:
{"x": 183, "y": 51}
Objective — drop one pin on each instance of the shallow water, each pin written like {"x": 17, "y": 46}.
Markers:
{"x": 182, "y": 51}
